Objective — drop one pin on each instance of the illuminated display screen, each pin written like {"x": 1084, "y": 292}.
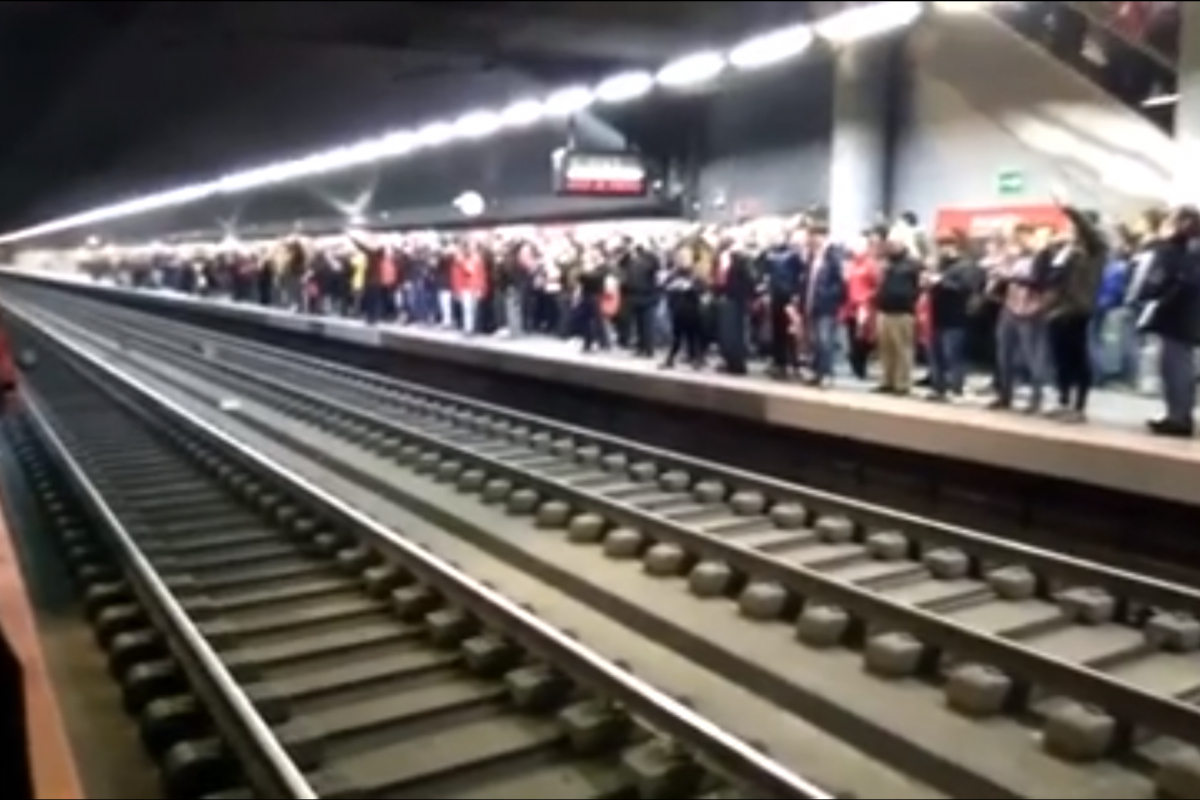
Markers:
{"x": 590, "y": 174}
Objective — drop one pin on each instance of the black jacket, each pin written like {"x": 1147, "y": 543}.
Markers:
{"x": 684, "y": 291}
{"x": 958, "y": 281}
{"x": 1173, "y": 286}
{"x": 740, "y": 280}
{"x": 641, "y": 277}
{"x": 899, "y": 286}
{"x": 591, "y": 282}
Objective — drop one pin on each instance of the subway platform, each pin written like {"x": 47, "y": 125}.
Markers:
{"x": 1111, "y": 451}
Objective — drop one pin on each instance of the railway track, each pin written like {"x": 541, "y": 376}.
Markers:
{"x": 1098, "y": 668}
{"x": 273, "y": 642}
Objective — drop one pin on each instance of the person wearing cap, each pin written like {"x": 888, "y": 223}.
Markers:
{"x": 1171, "y": 311}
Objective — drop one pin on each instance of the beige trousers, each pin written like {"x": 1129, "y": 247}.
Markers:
{"x": 897, "y": 340}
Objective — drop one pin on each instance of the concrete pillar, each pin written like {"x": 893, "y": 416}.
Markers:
{"x": 860, "y": 153}
{"x": 1187, "y": 111}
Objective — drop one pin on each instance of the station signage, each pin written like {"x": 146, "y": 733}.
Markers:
{"x": 985, "y": 221}
{"x": 580, "y": 173}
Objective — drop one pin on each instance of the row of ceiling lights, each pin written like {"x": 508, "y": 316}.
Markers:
{"x": 698, "y": 69}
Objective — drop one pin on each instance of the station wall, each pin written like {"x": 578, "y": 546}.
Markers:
{"x": 767, "y": 143}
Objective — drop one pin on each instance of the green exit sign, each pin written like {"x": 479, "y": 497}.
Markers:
{"x": 1010, "y": 182}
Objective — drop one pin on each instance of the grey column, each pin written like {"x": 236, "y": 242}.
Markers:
{"x": 860, "y": 152}
{"x": 1187, "y": 111}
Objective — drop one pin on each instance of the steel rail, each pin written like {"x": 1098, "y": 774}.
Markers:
{"x": 1126, "y": 702}
{"x": 738, "y": 758}
{"x": 1128, "y": 585}
{"x": 287, "y": 775}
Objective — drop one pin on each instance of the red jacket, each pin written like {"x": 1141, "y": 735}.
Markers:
{"x": 862, "y": 279}
{"x": 469, "y": 274}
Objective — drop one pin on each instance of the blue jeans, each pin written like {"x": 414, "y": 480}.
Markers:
{"x": 1131, "y": 342}
{"x": 947, "y": 366}
{"x": 420, "y": 301}
{"x": 1177, "y": 369}
{"x": 1115, "y": 345}
{"x": 823, "y": 332}
{"x": 592, "y": 326}
{"x": 514, "y": 311}
{"x": 1021, "y": 345}
{"x": 662, "y": 323}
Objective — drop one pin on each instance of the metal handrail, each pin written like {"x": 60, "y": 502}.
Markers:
{"x": 272, "y": 752}
{"x": 641, "y": 698}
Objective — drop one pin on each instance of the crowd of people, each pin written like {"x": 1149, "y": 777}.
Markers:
{"x": 1051, "y": 307}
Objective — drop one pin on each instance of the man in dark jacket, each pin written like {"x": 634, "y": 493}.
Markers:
{"x": 736, "y": 285}
{"x": 783, "y": 272}
{"x": 824, "y": 297}
{"x": 1171, "y": 297}
{"x": 639, "y": 293}
{"x": 952, "y": 285}
{"x": 513, "y": 272}
{"x": 896, "y": 304}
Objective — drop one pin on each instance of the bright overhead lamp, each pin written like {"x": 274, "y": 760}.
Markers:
{"x": 435, "y": 134}
{"x": 571, "y": 100}
{"x": 243, "y": 181}
{"x": 961, "y": 6}
{"x": 396, "y": 144}
{"x": 1160, "y": 100}
{"x": 523, "y": 113}
{"x": 625, "y": 87}
{"x": 864, "y": 22}
{"x": 691, "y": 70}
{"x": 470, "y": 204}
{"x": 772, "y": 48}
{"x": 477, "y": 124}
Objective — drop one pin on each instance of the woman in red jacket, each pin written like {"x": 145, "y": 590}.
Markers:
{"x": 469, "y": 283}
{"x": 858, "y": 315}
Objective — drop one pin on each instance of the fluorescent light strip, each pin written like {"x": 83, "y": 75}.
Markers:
{"x": 689, "y": 71}
{"x": 1160, "y": 101}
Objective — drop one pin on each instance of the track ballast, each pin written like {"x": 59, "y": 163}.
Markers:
{"x": 375, "y": 680}
{"x": 1098, "y": 665}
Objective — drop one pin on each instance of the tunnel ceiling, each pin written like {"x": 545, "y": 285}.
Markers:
{"x": 103, "y": 100}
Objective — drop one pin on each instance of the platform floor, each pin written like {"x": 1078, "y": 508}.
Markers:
{"x": 1112, "y": 415}
{"x": 1109, "y": 409}
{"x": 1112, "y": 450}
